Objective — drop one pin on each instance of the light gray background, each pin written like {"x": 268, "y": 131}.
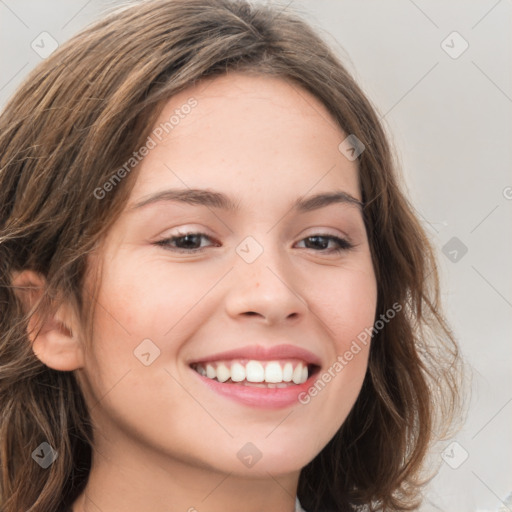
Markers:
{"x": 451, "y": 122}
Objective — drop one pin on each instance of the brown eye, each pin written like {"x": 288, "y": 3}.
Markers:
{"x": 322, "y": 242}
{"x": 184, "y": 242}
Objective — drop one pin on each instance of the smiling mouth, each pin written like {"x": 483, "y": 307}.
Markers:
{"x": 282, "y": 373}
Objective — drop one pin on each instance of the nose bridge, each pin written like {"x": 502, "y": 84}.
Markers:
{"x": 263, "y": 283}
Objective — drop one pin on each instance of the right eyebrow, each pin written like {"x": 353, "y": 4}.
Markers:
{"x": 192, "y": 196}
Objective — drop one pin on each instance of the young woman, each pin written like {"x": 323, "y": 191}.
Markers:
{"x": 215, "y": 296}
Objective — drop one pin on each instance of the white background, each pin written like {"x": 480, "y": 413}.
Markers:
{"x": 451, "y": 121}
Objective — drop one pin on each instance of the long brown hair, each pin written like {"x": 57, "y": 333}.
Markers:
{"x": 76, "y": 119}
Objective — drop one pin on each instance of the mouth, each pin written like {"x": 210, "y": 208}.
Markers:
{"x": 259, "y": 376}
{"x": 274, "y": 374}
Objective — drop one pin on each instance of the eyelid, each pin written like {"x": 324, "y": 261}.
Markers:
{"x": 184, "y": 230}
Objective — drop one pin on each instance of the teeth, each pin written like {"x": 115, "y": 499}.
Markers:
{"x": 297, "y": 374}
{"x": 254, "y": 372}
{"x": 223, "y": 373}
{"x": 287, "y": 372}
{"x": 274, "y": 374}
{"x": 304, "y": 376}
{"x": 237, "y": 372}
{"x": 210, "y": 371}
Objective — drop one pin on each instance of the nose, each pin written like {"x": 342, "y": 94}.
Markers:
{"x": 266, "y": 289}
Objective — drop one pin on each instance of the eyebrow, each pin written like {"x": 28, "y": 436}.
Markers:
{"x": 213, "y": 199}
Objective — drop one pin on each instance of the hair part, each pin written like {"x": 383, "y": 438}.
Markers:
{"x": 77, "y": 118}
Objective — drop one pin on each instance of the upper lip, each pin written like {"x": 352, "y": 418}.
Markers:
{"x": 263, "y": 353}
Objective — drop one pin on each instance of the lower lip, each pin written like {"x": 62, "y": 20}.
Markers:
{"x": 269, "y": 398}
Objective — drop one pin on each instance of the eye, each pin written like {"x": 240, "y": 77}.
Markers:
{"x": 322, "y": 241}
{"x": 191, "y": 243}
{"x": 184, "y": 242}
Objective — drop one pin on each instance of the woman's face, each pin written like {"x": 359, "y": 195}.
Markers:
{"x": 261, "y": 289}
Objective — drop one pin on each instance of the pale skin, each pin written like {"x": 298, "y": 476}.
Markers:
{"x": 164, "y": 441}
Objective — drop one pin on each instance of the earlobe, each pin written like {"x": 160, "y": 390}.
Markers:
{"x": 54, "y": 338}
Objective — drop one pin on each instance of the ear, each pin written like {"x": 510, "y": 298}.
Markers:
{"x": 54, "y": 339}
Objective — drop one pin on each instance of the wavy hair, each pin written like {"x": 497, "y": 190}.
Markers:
{"x": 77, "y": 117}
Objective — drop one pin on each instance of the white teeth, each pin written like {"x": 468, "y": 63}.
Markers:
{"x": 210, "y": 371}
{"x": 272, "y": 374}
{"x": 304, "y": 376}
{"x": 287, "y": 372}
{"x": 223, "y": 373}
{"x": 237, "y": 372}
{"x": 254, "y": 372}
{"x": 297, "y": 374}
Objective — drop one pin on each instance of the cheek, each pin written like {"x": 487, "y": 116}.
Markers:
{"x": 134, "y": 312}
{"x": 346, "y": 305}
{"x": 140, "y": 301}
{"x": 346, "y": 302}
{"x": 144, "y": 300}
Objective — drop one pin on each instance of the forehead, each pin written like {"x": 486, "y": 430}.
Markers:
{"x": 261, "y": 134}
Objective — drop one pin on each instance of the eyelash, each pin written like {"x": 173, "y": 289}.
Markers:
{"x": 343, "y": 244}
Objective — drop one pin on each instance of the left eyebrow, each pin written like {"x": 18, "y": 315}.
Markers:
{"x": 213, "y": 199}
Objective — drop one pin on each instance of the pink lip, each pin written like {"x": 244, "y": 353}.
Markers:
{"x": 269, "y": 398}
{"x": 261, "y": 353}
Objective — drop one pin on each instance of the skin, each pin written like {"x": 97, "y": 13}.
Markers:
{"x": 164, "y": 441}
